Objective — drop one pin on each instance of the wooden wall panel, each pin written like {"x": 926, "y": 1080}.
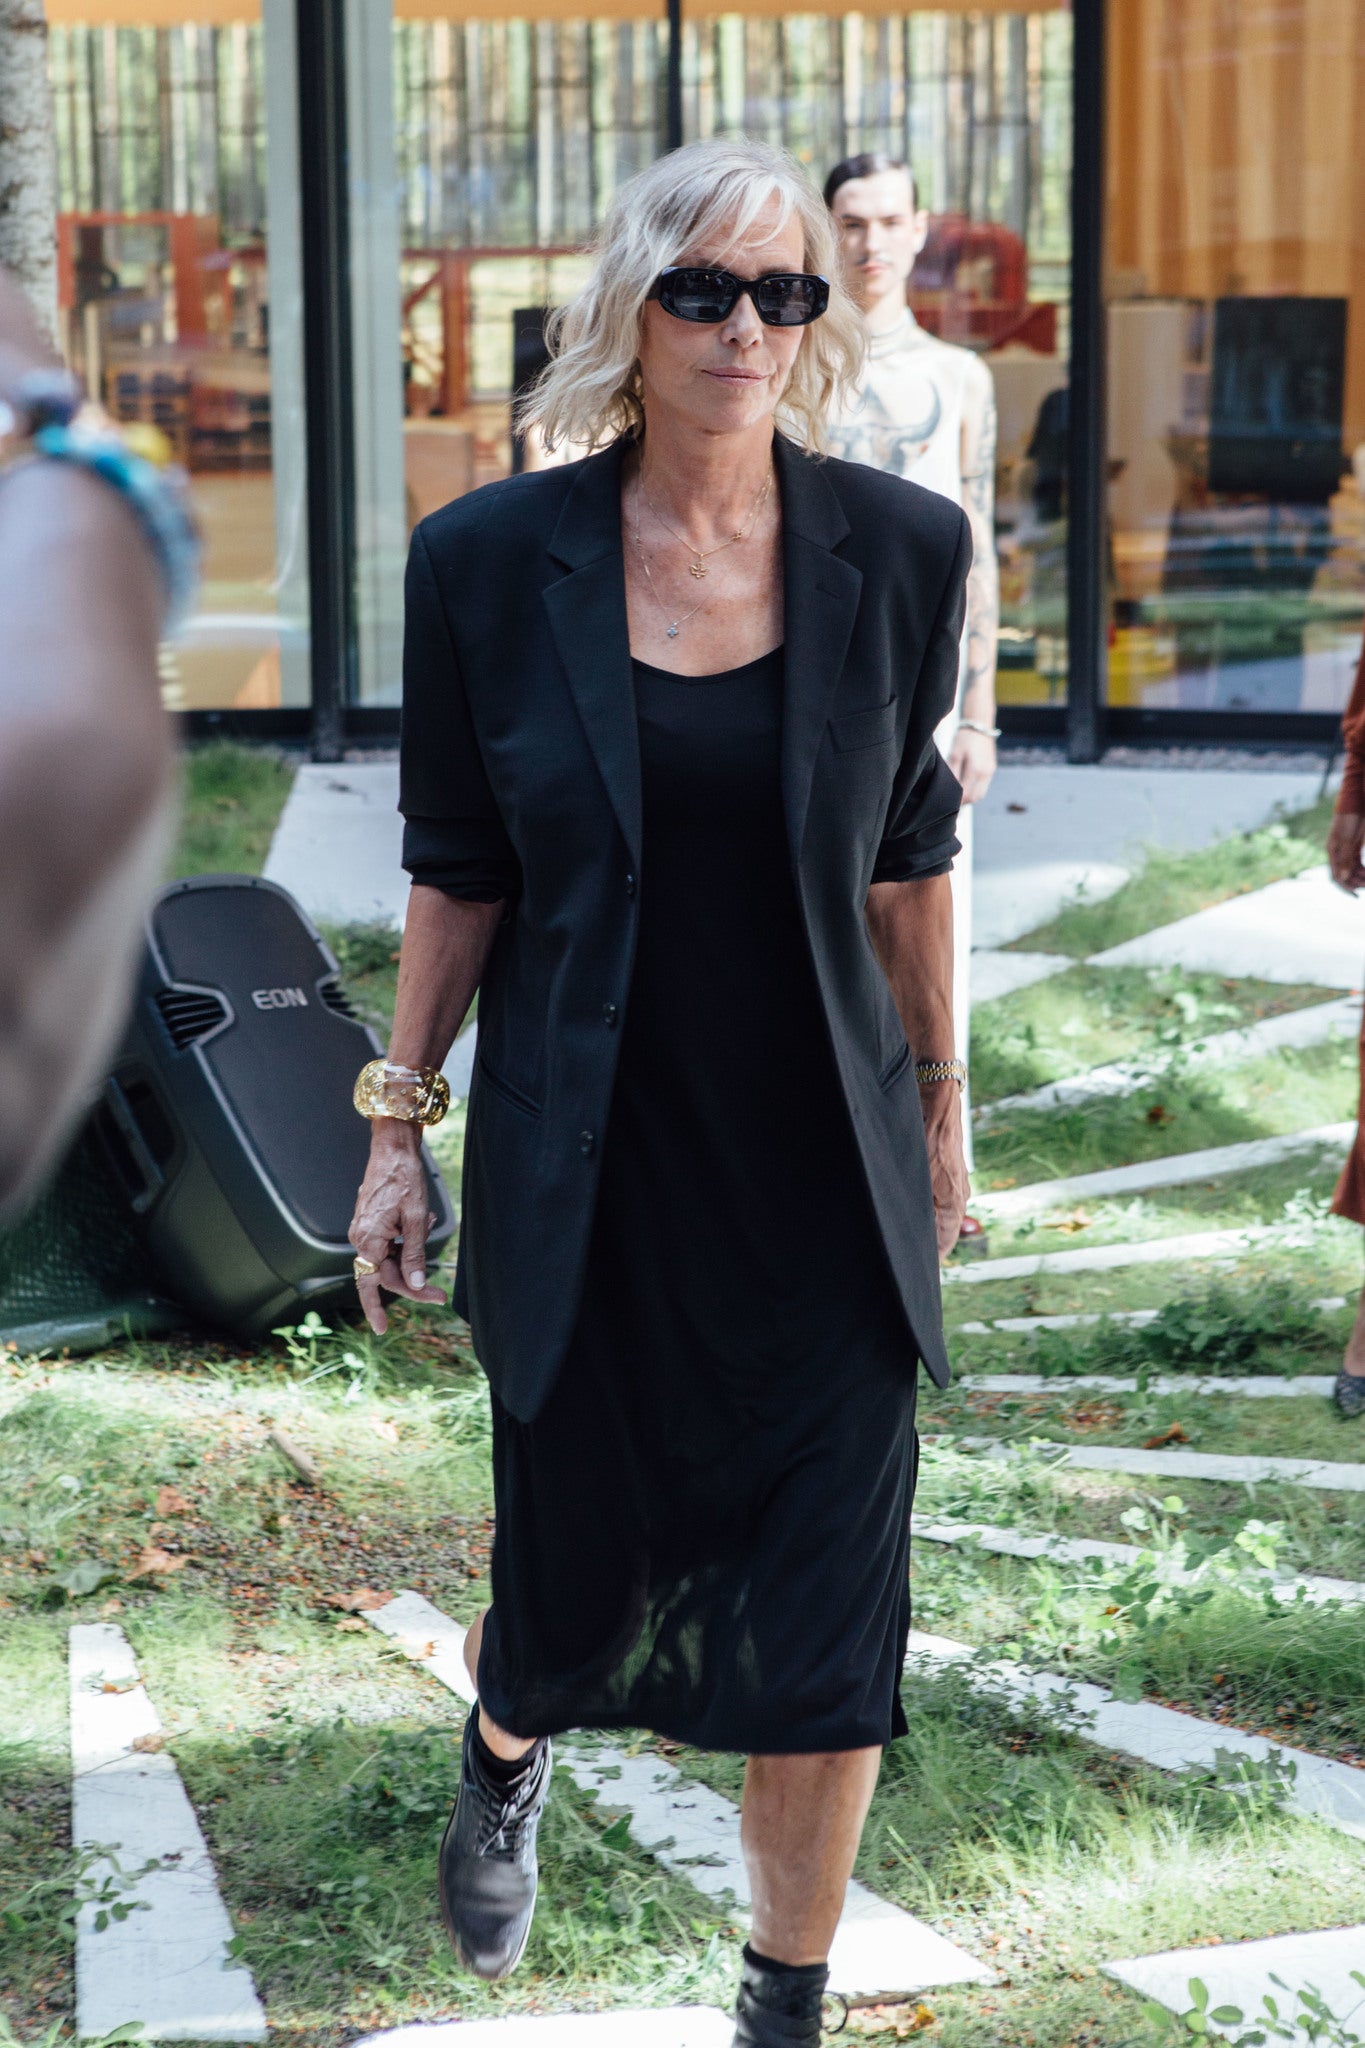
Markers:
{"x": 1236, "y": 161}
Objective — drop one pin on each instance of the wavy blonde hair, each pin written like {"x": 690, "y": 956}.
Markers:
{"x": 590, "y": 393}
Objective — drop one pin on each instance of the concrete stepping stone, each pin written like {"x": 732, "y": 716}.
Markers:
{"x": 1242, "y": 1974}
{"x": 995, "y": 974}
{"x": 1321, "y": 1788}
{"x": 1315, "y": 1025}
{"x": 1304, "y": 930}
{"x": 687, "y": 2026}
{"x": 1178, "y": 1169}
{"x": 1262, "y": 1387}
{"x": 1321, "y": 1473}
{"x": 166, "y": 1964}
{"x": 338, "y": 846}
{"x": 1106, "y": 1258}
{"x": 1039, "y": 824}
{"x": 1025, "y": 1326}
{"x": 690, "y": 1829}
{"x": 1317, "y": 1590}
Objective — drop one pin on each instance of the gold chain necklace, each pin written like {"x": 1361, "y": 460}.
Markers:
{"x": 700, "y": 556}
{"x": 672, "y": 627}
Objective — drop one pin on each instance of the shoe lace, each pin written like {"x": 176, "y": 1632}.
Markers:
{"x": 503, "y": 1822}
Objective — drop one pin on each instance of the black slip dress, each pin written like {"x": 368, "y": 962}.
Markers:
{"x": 705, "y": 1532}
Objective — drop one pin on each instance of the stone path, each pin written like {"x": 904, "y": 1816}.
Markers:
{"x": 1177, "y": 1169}
{"x": 1105, "y": 1258}
{"x": 1243, "y": 1973}
{"x": 1304, "y": 930}
{"x": 687, "y": 1828}
{"x": 338, "y": 845}
{"x": 683, "y": 2027}
{"x": 165, "y": 1966}
{"x": 1315, "y": 1025}
{"x": 1320, "y": 1473}
{"x": 1267, "y": 1387}
{"x": 1026, "y": 1326}
{"x": 1317, "y": 1590}
{"x": 1321, "y": 1787}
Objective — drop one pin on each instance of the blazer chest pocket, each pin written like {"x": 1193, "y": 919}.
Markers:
{"x": 859, "y": 729}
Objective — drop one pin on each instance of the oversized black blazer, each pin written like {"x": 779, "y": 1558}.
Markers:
{"x": 521, "y": 779}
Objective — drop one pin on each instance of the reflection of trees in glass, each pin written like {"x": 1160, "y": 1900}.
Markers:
{"x": 168, "y": 120}
{"x": 514, "y": 134}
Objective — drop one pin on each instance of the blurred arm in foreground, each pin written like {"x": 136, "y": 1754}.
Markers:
{"x": 85, "y": 776}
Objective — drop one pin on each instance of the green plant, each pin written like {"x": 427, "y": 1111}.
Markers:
{"x": 1312, "y": 2019}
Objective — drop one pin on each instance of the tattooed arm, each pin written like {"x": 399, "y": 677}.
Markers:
{"x": 972, "y": 759}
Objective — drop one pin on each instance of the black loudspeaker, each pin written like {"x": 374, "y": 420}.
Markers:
{"x": 228, "y": 1115}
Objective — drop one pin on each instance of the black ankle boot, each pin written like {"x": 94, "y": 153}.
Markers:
{"x": 776, "y": 2007}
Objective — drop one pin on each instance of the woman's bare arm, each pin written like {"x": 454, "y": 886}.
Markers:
{"x": 446, "y": 943}
{"x": 911, "y": 925}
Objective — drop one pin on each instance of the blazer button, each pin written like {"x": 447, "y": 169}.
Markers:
{"x": 586, "y": 1143}
{"x": 609, "y": 1014}
{"x": 630, "y": 885}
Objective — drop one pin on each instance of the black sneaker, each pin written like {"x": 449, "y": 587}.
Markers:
{"x": 488, "y": 1870}
{"x": 1349, "y": 1393}
{"x": 778, "y": 2011}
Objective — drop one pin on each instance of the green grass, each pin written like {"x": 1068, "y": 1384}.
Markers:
{"x": 1189, "y": 1111}
{"x": 231, "y": 800}
{"x": 1088, "y": 1016}
{"x": 1173, "y": 885}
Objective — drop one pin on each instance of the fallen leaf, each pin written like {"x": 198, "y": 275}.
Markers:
{"x": 1075, "y": 1219}
{"x": 1159, "y": 1114}
{"x": 149, "y": 1745}
{"x": 352, "y": 1623}
{"x": 114, "y": 1606}
{"x": 363, "y": 1601}
{"x": 382, "y": 1427}
{"x": 1011, "y": 1182}
{"x": 171, "y": 1501}
{"x": 1174, "y": 1435}
{"x": 157, "y": 1563}
{"x": 119, "y": 1685}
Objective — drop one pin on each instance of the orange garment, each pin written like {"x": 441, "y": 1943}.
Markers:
{"x": 1349, "y": 1199}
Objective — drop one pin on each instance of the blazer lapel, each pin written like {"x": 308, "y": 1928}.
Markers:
{"x": 820, "y": 603}
{"x": 587, "y": 613}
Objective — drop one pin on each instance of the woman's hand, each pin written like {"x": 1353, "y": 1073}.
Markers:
{"x": 1343, "y": 851}
{"x": 392, "y": 1219}
{"x": 972, "y": 760}
{"x": 941, "y": 1102}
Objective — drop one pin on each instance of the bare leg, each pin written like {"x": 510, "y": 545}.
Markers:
{"x": 1354, "y": 1361}
{"x": 507, "y": 1747}
{"x": 803, "y": 1820}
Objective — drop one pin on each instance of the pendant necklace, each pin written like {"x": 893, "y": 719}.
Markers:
{"x": 700, "y": 556}
{"x": 672, "y": 627}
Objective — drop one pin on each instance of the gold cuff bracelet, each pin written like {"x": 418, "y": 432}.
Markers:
{"x": 415, "y": 1095}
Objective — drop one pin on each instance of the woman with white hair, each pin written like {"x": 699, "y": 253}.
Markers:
{"x": 673, "y": 807}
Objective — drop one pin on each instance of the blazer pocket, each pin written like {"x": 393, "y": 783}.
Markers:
{"x": 859, "y": 729}
{"x": 509, "y": 1092}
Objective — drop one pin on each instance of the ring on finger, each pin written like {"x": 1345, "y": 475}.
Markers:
{"x": 364, "y": 1267}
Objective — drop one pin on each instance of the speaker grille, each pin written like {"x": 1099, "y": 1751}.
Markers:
{"x": 190, "y": 1014}
{"x": 336, "y": 998}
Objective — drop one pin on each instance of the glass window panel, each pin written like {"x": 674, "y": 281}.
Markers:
{"x": 1236, "y": 288}
{"x": 166, "y": 218}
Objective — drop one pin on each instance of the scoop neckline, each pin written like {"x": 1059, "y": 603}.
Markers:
{"x": 724, "y": 675}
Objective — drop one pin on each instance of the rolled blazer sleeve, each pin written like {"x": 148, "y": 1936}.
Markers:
{"x": 454, "y": 837}
{"x": 920, "y": 837}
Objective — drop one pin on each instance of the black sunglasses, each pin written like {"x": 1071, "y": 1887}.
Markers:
{"x": 789, "y": 299}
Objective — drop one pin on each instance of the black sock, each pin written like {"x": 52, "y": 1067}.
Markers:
{"x": 495, "y": 1770}
{"x": 792, "y": 1988}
